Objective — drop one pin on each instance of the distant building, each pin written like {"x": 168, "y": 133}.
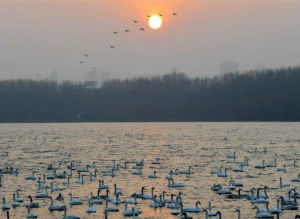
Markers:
{"x": 53, "y": 76}
{"x": 91, "y": 84}
{"x": 91, "y": 79}
{"x": 104, "y": 76}
{"x": 229, "y": 67}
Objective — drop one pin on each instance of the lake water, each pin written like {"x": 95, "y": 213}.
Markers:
{"x": 204, "y": 146}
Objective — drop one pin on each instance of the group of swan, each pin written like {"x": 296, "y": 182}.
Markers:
{"x": 113, "y": 200}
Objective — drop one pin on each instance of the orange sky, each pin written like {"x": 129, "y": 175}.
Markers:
{"x": 40, "y": 36}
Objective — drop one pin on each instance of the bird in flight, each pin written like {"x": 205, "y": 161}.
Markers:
{"x": 135, "y": 21}
{"x": 142, "y": 29}
{"x": 174, "y": 13}
{"x": 112, "y": 46}
{"x": 115, "y": 32}
{"x": 126, "y": 31}
{"x": 160, "y": 15}
{"x": 81, "y": 62}
{"x": 86, "y": 55}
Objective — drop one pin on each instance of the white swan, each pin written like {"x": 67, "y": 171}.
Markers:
{"x": 195, "y": 209}
{"x": 92, "y": 165}
{"x": 210, "y": 211}
{"x": 33, "y": 204}
{"x": 174, "y": 184}
{"x": 263, "y": 214}
{"x": 91, "y": 177}
{"x": 240, "y": 170}
{"x": 282, "y": 169}
{"x": 67, "y": 182}
{"x": 217, "y": 213}
{"x": 216, "y": 171}
{"x": 186, "y": 172}
{"x": 32, "y": 177}
{"x": 4, "y": 205}
{"x": 31, "y": 214}
{"x": 74, "y": 201}
{"x": 153, "y": 175}
{"x": 274, "y": 164}
{"x": 145, "y": 196}
{"x": 277, "y": 208}
{"x": 112, "y": 174}
{"x": 156, "y": 161}
{"x": 283, "y": 185}
{"x": 261, "y": 166}
{"x": 84, "y": 170}
{"x": 102, "y": 185}
{"x": 19, "y": 198}
{"x": 139, "y": 172}
{"x": 132, "y": 201}
{"x": 54, "y": 189}
{"x": 15, "y": 203}
{"x": 70, "y": 216}
{"x": 117, "y": 191}
{"x": 96, "y": 200}
{"x": 42, "y": 194}
{"x": 243, "y": 163}
{"x": 90, "y": 209}
{"x": 134, "y": 214}
{"x": 221, "y": 174}
{"x": 294, "y": 164}
{"x": 53, "y": 207}
{"x": 223, "y": 191}
{"x": 79, "y": 179}
{"x": 110, "y": 208}
{"x": 231, "y": 155}
{"x": 129, "y": 211}
{"x": 169, "y": 175}
{"x": 111, "y": 165}
{"x": 296, "y": 179}
{"x": 52, "y": 175}
{"x": 115, "y": 200}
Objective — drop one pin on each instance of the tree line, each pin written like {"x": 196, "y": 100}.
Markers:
{"x": 268, "y": 95}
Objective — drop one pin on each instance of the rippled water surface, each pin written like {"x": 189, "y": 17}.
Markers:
{"x": 204, "y": 146}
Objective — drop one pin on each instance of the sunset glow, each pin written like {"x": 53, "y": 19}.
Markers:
{"x": 155, "y": 22}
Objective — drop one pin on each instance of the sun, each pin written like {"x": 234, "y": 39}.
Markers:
{"x": 155, "y": 22}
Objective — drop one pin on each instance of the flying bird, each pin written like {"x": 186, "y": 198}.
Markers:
{"x": 160, "y": 15}
{"x": 126, "y": 31}
{"x": 112, "y": 46}
{"x": 81, "y": 62}
{"x": 86, "y": 55}
{"x": 174, "y": 13}
{"x": 142, "y": 29}
{"x": 135, "y": 21}
{"x": 115, "y": 32}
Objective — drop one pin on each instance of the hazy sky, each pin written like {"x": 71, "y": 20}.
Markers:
{"x": 37, "y": 37}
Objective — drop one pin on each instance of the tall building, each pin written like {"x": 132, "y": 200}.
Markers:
{"x": 229, "y": 67}
{"x": 104, "y": 76}
{"x": 91, "y": 79}
{"x": 53, "y": 76}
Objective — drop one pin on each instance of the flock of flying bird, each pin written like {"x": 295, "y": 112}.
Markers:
{"x": 112, "y": 46}
{"x": 63, "y": 175}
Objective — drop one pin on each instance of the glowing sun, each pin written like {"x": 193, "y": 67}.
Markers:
{"x": 155, "y": 22}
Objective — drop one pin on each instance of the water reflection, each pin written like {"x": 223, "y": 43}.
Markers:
{"x": 203, "y": 146}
